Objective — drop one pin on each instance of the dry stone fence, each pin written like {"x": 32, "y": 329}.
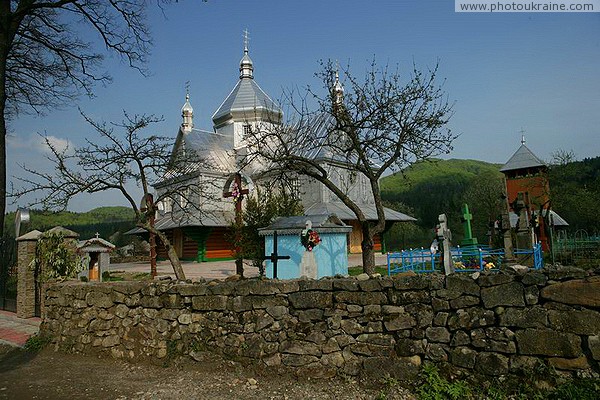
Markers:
{"x": 490, "y": 324}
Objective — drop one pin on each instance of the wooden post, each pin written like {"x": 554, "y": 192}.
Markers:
{"x": 148, "y": 204}
{"x": 238, "y": 195}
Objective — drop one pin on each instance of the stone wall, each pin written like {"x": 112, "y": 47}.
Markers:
{"x": 490, "y": 324}
{"x": 26, "y": 278}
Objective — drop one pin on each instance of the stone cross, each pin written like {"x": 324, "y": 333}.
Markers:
{"x": 509, "y": 255}
{"x": 524, "y": 228}
{"x": 238, "y": 195}
{"x": 275, "y": 257}
{"x": 467, "y": 217}
{"x": 446, "y": 238}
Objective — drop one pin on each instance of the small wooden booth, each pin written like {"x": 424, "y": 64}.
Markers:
{"x": 95, "y": 257}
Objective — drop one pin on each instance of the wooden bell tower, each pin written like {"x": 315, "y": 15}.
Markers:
{"x": 528, "y": 192}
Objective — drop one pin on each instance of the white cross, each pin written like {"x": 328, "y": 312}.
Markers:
{"x": 246, "y": 39}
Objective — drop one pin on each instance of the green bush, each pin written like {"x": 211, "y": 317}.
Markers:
{"x": 436, "y": 387}
{"x": 36, "y": 343}
{"x": 578, "y": 389}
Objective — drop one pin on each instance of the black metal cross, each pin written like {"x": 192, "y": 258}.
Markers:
{"x": 275, "y": 257}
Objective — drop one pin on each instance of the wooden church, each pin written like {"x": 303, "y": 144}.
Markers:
{"x": 202, "y": 236}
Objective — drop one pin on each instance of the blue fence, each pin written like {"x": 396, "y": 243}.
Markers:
{"x": 469, "y": 259}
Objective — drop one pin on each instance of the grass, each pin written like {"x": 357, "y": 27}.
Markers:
{"x": 115, "y": 276}
{"x": 434, "y": 386}
{"x": 353, "y": 271}
{"x": 36, "y": 343}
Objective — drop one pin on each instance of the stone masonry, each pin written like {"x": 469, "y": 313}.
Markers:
{"x": 26, "y": 246}
{"x": 490, "y": 324}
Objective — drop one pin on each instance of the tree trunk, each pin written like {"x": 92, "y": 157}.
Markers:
{"x": 171, "y": 253}
{"x": 368, "y": 249}
{"x": 3, "y": 58}
{"x": 2, "y": 165}
{"x": 174, "y": 259}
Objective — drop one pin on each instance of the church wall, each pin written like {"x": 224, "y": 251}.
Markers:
{"x": 186, "y": 247}
{"x": 226, "y": 129}
{"x": 311, "y": 191}
{"x": 355, "y": 238}
{"x": 217, "y": 246}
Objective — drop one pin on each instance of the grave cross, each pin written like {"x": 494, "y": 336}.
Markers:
{"x": 469, "y": 240}
{"x": 445, "y": 236}
{"x": 238, "y": 195}
{"x": 275, "y": 257}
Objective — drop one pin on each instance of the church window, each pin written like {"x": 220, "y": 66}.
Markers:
{"x": 364, "y": 185}
{"x": 184, "y": 198}
{"x": 247, "y": 129}
{"x": 295, "y": 187}
{"x": 167, "y": 204}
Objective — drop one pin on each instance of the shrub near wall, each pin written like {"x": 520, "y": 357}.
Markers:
{"x": 493, "y": 325}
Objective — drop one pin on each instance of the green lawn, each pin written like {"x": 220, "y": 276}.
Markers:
{"x": 353, "y": 271}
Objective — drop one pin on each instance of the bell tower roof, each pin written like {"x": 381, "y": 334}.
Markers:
{"x": 522, "y": 159}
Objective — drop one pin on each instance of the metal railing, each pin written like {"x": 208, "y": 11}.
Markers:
{"x": 466, "y": 259}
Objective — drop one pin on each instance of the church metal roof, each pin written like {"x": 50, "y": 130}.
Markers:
{"x": 317, "y": 139}
{"x": 246, "y": 97}
{"x": 181, "y": 220}
{"x": 555, "y": 219}
{"x": 215, "y": 148}
{"x": 523, "y": 158}
{"x": 343, "y": 212}
{"x": 322, "y": 223}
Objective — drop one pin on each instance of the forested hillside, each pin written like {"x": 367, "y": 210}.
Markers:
{"x": 103, "y": 220}
{"x": 575, "y": 190}
{"x": 428, "y": 189}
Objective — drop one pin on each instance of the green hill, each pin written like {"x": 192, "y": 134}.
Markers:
{"x": 103, "y": 220}
{"x": 435, "y": 170}
{"x": 434, "y": 187}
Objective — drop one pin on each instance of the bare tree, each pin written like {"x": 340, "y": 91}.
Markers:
{"x": 44, "y": 62}
{"x": 374, "y": 125}
{"x": 118, "y": 162}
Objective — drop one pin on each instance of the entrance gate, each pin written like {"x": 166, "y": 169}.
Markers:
{"x": 8, "y": 275}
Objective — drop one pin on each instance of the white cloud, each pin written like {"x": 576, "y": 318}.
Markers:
{"x": 37, "y": 143}
{"x": 58, "y": 143}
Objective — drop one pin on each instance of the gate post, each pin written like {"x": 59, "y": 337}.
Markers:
{"x": 26, "y": 246}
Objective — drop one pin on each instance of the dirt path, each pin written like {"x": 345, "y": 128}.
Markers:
{"x": 51, "y": 375}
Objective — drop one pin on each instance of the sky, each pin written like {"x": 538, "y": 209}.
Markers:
{"x": 508, "y": 74}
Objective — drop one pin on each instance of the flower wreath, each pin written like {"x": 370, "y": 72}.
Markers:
{"x": 235, "y": 192}
{"x": 309, "y": 239}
